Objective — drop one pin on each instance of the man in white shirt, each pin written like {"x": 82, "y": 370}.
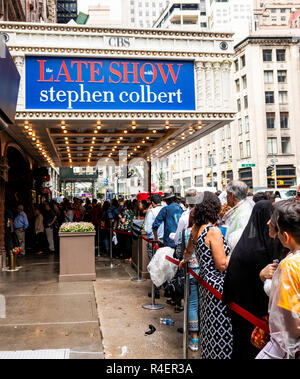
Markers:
{"x": 151, "y": 214}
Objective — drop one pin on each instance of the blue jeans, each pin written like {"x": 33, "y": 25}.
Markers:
{"x": 193, "y": 324}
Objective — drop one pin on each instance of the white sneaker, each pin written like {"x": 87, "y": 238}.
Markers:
{"x": 193, "y": 344}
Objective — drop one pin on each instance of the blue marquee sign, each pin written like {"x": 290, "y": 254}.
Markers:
{"x": 66, "y": 83}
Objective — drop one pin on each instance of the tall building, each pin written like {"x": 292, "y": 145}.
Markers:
{"x": 231, "y": 15}
{"x": 266, "y": 78}
{"x": 66, "y": 10}
{"x": 28, "y": 10}
{"x": 102, "y": 13}
{"x": 183, "y": 15}
{"x": 274, "y": 13}
{"x": 142, "y": 13}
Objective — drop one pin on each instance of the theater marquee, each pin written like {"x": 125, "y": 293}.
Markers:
{"x": 67, "y": 83}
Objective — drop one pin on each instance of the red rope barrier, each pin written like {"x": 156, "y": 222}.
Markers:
{"x": 233, "y": 306}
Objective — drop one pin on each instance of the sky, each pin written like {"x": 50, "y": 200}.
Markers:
{"x": 115, "y": 6}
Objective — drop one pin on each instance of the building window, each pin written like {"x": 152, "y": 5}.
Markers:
{"x": 269, "y": 95}
{"x": 270, "y": 120}
{"x": 237, "y": 84}
{"x": 241, "y": 147}
{"x": 240, "y": 126}
{"x": 239, "y": 105}
{"x": 284, "y": 120}
{"x": 281, "y": 75}
{"x": 236, "y": 65}
{"x": 272, "y": 145}
{"x": 267, "y": 55}
{"x": 286, "y": 145}
{"x": 280, "y": 55}
{"x": 248, "y": 149}
{"x": 283, "y": 97}
{"x": 246, "y": 124}
{"x": 228, "y": 131}
{"x": 244, "y": 79}
{"x": 243, "y": 61}
{"x": 268, "y": 77}
{"x": 246, "y": 102}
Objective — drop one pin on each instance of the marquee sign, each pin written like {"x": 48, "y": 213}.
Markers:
{"x": 66, "y": 83}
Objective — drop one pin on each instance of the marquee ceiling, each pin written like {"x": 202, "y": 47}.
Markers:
{"x": 73, "y": 143}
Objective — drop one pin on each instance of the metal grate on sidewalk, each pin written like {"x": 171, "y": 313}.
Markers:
{"x": 36, "y": 354}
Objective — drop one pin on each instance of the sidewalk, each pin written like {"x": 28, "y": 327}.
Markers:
{"x": 95, "y": 320}
{"x": 123, "y": 321}
{"x": 42, "y": 314}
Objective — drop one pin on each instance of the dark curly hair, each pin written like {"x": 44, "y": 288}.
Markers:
{"x": 208, "y": 210}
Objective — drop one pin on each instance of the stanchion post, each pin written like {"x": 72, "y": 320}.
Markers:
{"x": 111, "y": 264}
{"x": 98, "y": 240}
{"x": 138, "y": 279}
{"x": 186, "y": 310}
{"x": 153, "y": 306}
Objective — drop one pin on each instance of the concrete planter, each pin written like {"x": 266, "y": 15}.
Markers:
{"x": 77, "y": 257}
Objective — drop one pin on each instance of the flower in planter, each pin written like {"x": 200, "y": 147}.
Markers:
{"x": 16, "y": 251}
{"x": 77, "y": 227}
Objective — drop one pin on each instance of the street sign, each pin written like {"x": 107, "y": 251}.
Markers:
{"x": 248, "y": 165}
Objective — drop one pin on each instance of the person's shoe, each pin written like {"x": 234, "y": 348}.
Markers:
{"x": 180, "y": 330}
{"x": 157, "y": 295}
{"x": 193, "y": 344}
{"x": 178, "y": 309}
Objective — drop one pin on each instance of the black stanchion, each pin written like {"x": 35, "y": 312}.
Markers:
{"x": 138, "y": 279}
{"x": 111, "y": 264}
{"x": 153, "y": 306}
{"x": 186, "y": 310}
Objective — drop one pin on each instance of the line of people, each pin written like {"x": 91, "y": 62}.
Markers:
{"x": 234, "y": 241}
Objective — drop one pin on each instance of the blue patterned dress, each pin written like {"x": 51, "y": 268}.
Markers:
{"x": 215, "y": 324}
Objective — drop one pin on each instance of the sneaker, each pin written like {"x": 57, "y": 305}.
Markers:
{"x": 193, "y": 344}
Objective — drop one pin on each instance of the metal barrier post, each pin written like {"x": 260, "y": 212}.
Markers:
{"x": 111, "y": 264}
{"x": 186, "y": 310}
{"x": 138, "y": 279}
{"x": 153, "y": 306}
{"x": 98, "y": 242}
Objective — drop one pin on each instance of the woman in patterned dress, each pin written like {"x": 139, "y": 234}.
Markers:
{"x": 213, "y": 256}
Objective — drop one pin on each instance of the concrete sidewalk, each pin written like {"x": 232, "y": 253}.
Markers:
{"x": 43, "y": 314}
{"x": 123, "y": 321}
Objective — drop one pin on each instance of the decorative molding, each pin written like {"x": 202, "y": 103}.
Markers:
{"x": 117, "y": 52}
{"x": 59, "y": 115}
{"x": 36, "y": 27}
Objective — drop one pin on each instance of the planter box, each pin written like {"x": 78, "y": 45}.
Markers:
{"x": 77, "y": 257}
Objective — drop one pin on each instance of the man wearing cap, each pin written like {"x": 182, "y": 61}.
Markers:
{"x": 192, "y": 197}
{"x": 170, "y": 216}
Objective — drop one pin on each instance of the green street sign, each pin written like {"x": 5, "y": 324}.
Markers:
{"x": 248, "y": 165}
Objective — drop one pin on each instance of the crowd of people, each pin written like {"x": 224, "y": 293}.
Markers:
{"x": 245, "y": 246}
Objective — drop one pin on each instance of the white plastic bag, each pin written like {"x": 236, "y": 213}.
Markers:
{"x": 161, "y": 270}
{"x": 115, "y": 239}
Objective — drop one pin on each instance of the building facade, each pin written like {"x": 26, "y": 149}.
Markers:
{"x": 66, "y": 10}
{"x": 266, "y": 78}
{"x": 183, "y": 15}
{"x": 142, "y": 13}
{"x": 233, "y": 15}
{"x": 274, "y": 13}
